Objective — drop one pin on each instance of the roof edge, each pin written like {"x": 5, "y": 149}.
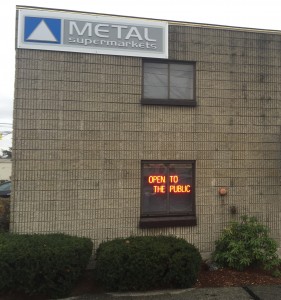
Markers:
{"x": 170, "y": 22}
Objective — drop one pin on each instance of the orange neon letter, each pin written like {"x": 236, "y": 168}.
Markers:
{"x": 174, "y": 179}
{"x": 159, "y": 189}
{"x": 157, "y": 179}
{"x": 180, "y": 188}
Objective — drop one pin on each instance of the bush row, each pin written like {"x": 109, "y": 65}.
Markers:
{"x": 142, "y": 263}
{"x": 51, "y": 264}
{"x": 42, "y": 264}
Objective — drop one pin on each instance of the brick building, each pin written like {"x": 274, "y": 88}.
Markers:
{"x": 110, "y": 144}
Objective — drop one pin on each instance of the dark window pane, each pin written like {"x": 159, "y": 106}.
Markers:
{"x": 181, "y": 189}
{"x": 154, "y": 189}
{"x": 168, "y": 194}
{"x": 155, "y": 92}
{"x": 168, "y": 81}
{"x": 181, "y": 81}
{"x": 167, "y": 188}
{"x": 155, "y": 81}
{"x": 181, "y": 93}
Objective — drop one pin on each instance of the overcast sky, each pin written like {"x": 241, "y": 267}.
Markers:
{"x": 243, "y": 13}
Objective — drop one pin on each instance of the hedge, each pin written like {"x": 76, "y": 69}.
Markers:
{"x": 42, "y": 264}
{"x": 143, "y": 263}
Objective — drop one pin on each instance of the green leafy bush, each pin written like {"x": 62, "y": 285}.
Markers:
{"x": 246, "y": 243}
{"x": 42, "y": 264}
{"x": 142, "y": 263}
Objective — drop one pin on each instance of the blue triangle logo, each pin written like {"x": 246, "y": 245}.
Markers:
{"x": 42, "y": 30}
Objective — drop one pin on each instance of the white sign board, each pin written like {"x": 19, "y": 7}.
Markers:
{"x": 72, "y": 32}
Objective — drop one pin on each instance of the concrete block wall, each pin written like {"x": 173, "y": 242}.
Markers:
{"x": 80, "y": 134}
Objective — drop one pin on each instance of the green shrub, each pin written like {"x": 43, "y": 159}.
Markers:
{"x": 142, "y": 263}
{"x": 42, "y": 264}
{"x": 244, "y": 244}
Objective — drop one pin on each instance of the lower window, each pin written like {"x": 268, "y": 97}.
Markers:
{"x": 168, "y": 194}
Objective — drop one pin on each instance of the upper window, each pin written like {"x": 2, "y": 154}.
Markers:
{"x": 168, "y": 83}
{"x": 168, "y": 193}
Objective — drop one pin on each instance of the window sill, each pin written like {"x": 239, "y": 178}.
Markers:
{"x": 180, "y": 102}
{"x": 169, "y": 221}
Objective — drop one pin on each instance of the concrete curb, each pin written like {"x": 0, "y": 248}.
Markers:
{"x": 150, "y": 293}
{"x": 271, "y": 292}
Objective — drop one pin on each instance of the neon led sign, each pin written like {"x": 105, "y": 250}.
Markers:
{"x": 156, "y": 181}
